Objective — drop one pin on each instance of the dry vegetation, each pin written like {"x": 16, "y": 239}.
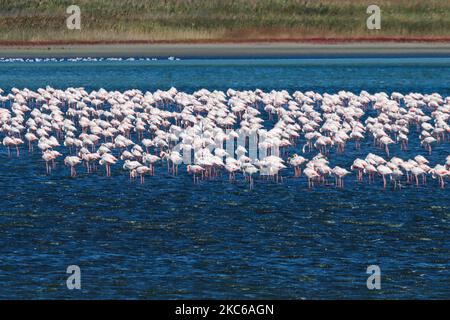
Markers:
{"x": 220, "y": 20}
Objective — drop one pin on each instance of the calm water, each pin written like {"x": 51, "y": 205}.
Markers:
{"x": 171, "y": 239}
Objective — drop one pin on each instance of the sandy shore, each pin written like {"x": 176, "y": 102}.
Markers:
{"x": 226, "y": 50}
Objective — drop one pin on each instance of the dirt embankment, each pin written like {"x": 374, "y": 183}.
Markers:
{"x": 8, "y": 43}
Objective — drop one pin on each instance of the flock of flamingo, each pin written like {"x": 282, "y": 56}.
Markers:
{"x": 138, "y": 131}
{"x": 81, "y": 59}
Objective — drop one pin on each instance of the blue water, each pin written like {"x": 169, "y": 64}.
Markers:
{"x": 171, "y": 239}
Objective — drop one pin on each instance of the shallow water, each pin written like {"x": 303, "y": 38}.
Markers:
{"x": 170, "y": 238}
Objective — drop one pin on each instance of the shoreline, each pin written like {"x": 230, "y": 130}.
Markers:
{"x": 224, "y": 49}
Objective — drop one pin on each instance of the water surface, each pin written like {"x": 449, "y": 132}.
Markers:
{"x": 171, "y": 239}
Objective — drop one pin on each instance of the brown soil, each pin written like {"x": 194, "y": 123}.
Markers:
{"x": 249, "y": 40}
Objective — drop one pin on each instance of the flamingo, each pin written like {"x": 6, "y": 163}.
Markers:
{"x": 311, "y": 174}
{"x": 72, "y": 161}
{"x": 296, "y": 161}
{"x": 107, "y": 160}
{"x": 250, "y": 170}
{"x": 195, "y": 169}
{"x": 384, "y": 171}
{"x": 340, "y": 173}
{"x": 142, "y": 170}
{"x": 150, "y": 160}
{"x": 48, "y": 157}
{"x": 441, "y": 172}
